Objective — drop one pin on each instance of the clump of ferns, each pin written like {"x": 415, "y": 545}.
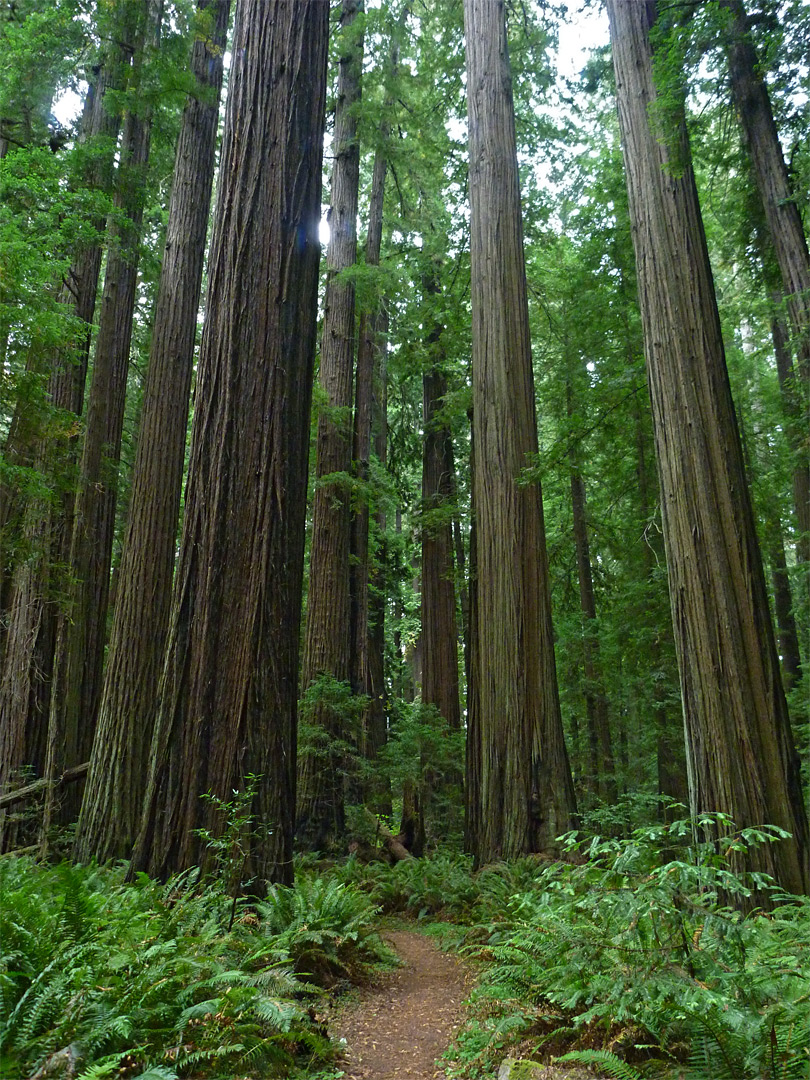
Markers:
{"x": 127, "y": 976}
{"x": 327, "y": 928}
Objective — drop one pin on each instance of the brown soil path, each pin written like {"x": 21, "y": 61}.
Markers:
{"x": 399, "y": 1027}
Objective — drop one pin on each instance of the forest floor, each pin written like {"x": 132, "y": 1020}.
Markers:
{"x": 399, "y": 1026}
{"x": 404, "y": 1021}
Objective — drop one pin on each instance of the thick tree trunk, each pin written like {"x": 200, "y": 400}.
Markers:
{"x": 322, "y": 776}
{"x": 118, "y": 765}
{"x": 230, "y": 684}
{"x": 741, "y": 756}
{"x": 525, "y": 797}
{"x": 81, "y": 634}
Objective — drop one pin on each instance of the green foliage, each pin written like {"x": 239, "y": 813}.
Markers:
{"x": 141, "y": 978}
{"x": 609, "y": 1063}
{"x": 231, "y": 845}
{"x": 644, "y": 955}
{"x": 325, "y": 926}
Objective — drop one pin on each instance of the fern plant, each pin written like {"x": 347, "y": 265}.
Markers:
{"x": 327, "y": 928}
{"x": 141, "y": 978}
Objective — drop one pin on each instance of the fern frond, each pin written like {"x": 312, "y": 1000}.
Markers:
{"x": 607, "y": 1060}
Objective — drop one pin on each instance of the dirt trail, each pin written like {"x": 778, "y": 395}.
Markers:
{"x": 402, "y": 1024}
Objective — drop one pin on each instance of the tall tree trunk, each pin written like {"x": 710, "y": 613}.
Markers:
{"x": 526, "y": 795}
{"x": 439, "y": 630}
{"x": 742, "y": 760}
{"x": 367, "y": 618}
{"x": 30, "y": 439}
{"x": 473, "y": 744}
{"x": 796, "y": 427}
{"x": 230, "y": 683}
{"x": 118, "y": 765}
{"x": 34, "y": 585}
{"x": 81, "y": 634}
{"x": 783, "y": 609}
{"x": 439, "y": 636}
{"x": 602, "y": 772}
{"x": 321, "y": 777}
{"x": 782, "y": 215}
{"x": 669, "y": 729}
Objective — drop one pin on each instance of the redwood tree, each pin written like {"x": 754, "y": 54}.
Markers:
{"x": 81, "y": 635}
{"x": 118, "y": 766}
{"x": 328, "y": 641}
{"x": 522, "y": 795}
{"x": 367, "y": 605}
{"x": 32, "y": 590}
{"x": 742, "y": 760}
{"x": 230, "y": 683}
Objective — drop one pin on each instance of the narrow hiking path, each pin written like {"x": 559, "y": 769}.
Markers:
{"x": 399, "y": 1026}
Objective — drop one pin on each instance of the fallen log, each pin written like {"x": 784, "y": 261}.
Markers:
{"x": 20, "y": 794}
{"x": 393, "y": 845}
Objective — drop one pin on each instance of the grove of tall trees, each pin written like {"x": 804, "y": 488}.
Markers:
{"x": 404, "y": 444}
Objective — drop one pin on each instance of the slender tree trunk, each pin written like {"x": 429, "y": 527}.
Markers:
{"x": 601, "y": 768}
{"x": 473, "y": 744}
{"x": 439, "y": 630}
{"x": 526, "y": 796}
{"x": 367, "y": 616}
{"x": 464, "y": 596}
{"x": 81, "y": 634}
{"x": 796, "y": 427}
{"x": 230, "y": 683}
{"x": 782, "y": 215}
{"x": 118, "y": 764}
{"x": 741, "y": 756}
{"x": 669, "y": 729}
{"x": 783, "y": 609}
{"x": 322, "y": 776}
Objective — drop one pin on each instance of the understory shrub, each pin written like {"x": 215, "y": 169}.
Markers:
{"x": 648, "y": 961}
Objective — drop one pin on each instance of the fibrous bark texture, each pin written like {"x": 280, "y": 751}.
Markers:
{"x": 524, "y": 797}
{"x": 230, "y": 684}
{"x": 770, "y": 173}
{"x": 739, "y": 744}
{"x": 782, "y": 216}
{"x": 31, "y": 598}
{"x": 327, "y": 645}
{"x": 367, "y": 606}
{"x": 81, "y": 635}
{"x": 118, "y": 765}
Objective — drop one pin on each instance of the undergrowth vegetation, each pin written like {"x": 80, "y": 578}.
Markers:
{"x": 631, "y": 955}
{"x": 99, "y": 978}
